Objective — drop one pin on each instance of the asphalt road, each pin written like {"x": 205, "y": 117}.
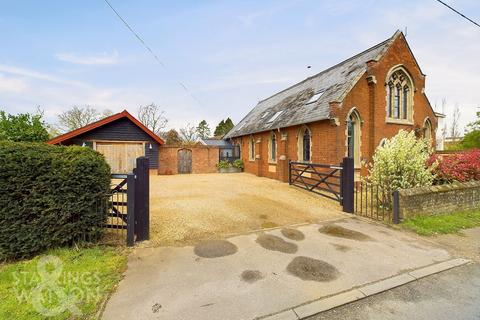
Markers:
{"x": 453, "y": 294}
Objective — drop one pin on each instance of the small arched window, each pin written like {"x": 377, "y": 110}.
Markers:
{"x": 353, "y": 137}
{"x": 399, "y": 95}
{"x": 251, "y": 149}
{"x": 427, "y": 130}
{"x": 272, "y": 148}
{"x": 382, "y": 142}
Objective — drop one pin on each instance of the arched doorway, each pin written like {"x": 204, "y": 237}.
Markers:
{"x": 184, "y": 158}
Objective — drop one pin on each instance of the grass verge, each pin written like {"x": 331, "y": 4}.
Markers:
{"x": 65, "y": 283}
{"x": 443, "y": 224}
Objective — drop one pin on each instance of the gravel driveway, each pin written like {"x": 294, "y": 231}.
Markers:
{"x": 188, "y": 208}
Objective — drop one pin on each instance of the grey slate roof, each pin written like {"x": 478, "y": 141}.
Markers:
{"x": 335, "y": 82}
{"x": 216, "y": 142}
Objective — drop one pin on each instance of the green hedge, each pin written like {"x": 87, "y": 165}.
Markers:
{"x": 50, "y": 196}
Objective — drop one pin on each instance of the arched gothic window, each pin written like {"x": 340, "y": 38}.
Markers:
{"x": 251, "y": 149}
{"x": 427, "y": 130}
{"x": 272, "y": 148}
{"x": 353, "y": 137}
{"x": 304, "y": 144}
{"x": 399, "y": 95}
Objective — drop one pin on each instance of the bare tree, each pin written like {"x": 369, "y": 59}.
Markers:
{"x": 152, "y": 117}
{"x": 455, "y": 126}
{"x": 77, "y": 117}
{"x": 188, "y": 133}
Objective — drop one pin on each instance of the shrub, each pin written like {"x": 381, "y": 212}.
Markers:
{"x": 462, "y": 166}
{"x": 238, "y": 163}
{"x": 401, "y": 162}
{"x": 50, "y": 196}
{"x": 224, "y": 164}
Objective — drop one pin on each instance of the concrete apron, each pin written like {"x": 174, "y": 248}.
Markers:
{"x": 255, "y": 280}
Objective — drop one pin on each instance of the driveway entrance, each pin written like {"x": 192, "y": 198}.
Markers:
{"x": 187, "y": 208}
{"x": 264, "y": 273}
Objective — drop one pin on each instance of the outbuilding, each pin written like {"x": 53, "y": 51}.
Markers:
{"x": 121, "y": 138}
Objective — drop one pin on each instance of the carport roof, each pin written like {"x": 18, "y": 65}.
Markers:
{"x": 102, "y": 122}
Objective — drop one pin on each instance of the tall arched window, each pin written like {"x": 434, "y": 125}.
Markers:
{"x": 353, "y": 137}
{"x": 272, "y": 148}
{"x": 399, "y": 95}
{"x": 251, "y": 149}
{"x": 304, "y": 144}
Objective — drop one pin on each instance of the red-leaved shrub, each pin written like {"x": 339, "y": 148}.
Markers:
{"x": 462, "y": 166}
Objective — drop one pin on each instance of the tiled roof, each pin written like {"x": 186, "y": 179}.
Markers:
{"x": 291, "y": 106}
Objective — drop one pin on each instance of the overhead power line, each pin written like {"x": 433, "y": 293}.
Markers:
{"x": 147, "y": 47}
{"x": 459, "y": 13}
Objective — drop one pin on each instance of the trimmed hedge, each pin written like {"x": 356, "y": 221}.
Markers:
{"x": 50, "y": 196}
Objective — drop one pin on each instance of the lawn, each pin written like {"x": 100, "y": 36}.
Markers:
{"x": 443, "y": 224}
{"x": 60, "y": 284}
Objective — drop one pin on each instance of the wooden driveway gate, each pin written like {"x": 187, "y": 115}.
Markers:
{"x": 335, "y": 182}
{"x": 128, "y": 203}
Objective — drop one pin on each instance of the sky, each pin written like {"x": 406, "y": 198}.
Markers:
{"x": 228, "y": 54}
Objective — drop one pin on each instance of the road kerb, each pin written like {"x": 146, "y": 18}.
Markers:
{"x": 325, "y": 304}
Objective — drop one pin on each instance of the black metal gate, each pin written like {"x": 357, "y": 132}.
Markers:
{"x": 128, "y": 204}
{"x": 331, "y": 181}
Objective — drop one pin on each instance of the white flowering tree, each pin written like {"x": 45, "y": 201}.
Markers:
{"x": 401, "y": 162}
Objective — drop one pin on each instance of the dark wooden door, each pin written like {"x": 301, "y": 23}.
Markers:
{"x": 184, "y": 157}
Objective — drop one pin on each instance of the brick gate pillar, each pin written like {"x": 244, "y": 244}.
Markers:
{"x": 258, "y": 157}
{"x": 283, "y": 158}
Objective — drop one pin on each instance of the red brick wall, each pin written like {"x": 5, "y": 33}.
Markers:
{"x": 328, "y": 138}
{"x": 204, "y": 159}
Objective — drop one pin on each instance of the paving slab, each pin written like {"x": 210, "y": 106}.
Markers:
{"x": 285, "y": 315}
{"x": 386, "y": 284}
{"x": 439, "y": 267}
{"x": 264, "y": 275}
{"x": 328, "y": 303}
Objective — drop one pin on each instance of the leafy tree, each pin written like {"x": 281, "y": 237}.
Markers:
{"x": 401, "y": 162}
{"x": 173, "y": 138}
{"x": 152, "y": 117}
{"x": 203, "y": 130}
{"x": 472, "y": 137}
{"x": 223, "y": 127}
{"x": 23, "y": 127}
{"x": 188, "y": 134}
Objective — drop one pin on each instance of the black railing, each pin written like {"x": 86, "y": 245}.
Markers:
{"x": 376, "y": 202}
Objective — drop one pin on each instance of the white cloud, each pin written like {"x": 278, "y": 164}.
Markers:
{"x": 33, "y": 74}
{"x": 90, "y": 60}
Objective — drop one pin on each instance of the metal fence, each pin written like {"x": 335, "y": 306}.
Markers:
{"x": 376, "y": 202}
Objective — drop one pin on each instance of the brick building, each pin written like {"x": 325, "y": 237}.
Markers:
{"x": 345, "y": 110}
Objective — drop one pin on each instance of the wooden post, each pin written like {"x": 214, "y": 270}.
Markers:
{"x": 348, "y": 178}
{"x": 130, "y": 209}
{"x": 142, "y": 197}
{"x": 396, "y": 207}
